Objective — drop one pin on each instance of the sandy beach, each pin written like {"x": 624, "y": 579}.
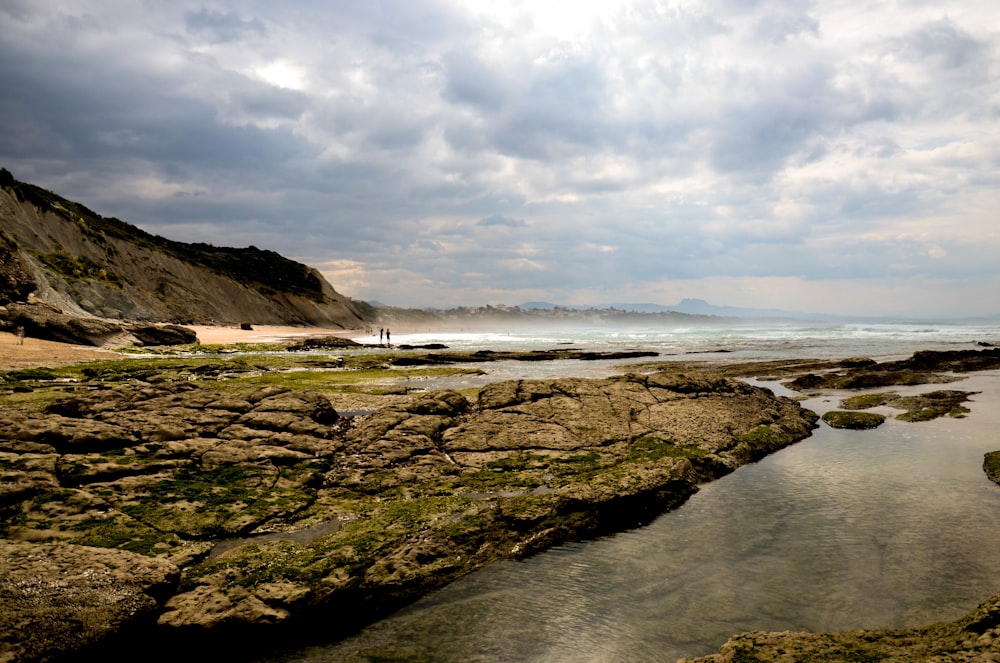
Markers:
{"x": 224, "y": 335}
{"x": 36, "y": 352}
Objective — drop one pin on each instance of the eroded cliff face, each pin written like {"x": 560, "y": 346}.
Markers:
{"x": 16, "y": 282}
{"x": 64, "y": 254}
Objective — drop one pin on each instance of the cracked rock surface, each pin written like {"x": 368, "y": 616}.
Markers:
{"x": 238, "y": 511}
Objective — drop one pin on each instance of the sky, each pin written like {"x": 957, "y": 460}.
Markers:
{"x": 840, "y": 156}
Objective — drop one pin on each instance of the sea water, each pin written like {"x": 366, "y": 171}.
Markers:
{"x": 887, "y": 528}
{"x": 737, "y": 342}
{"x": 746, "y": 339}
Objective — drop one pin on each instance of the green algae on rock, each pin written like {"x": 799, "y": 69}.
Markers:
{"x": 991, "y": 465}
{"x": 281, "y": 514}
{"x": 853, "y": 420}
{"x": 866, "y": 401}
{"x": 975, "y": 637}
{"x": 275, "y": 508}
{"x": 926, "y": 367}
{"x": 920, "y": 407}
{"x": 61, "y": 599}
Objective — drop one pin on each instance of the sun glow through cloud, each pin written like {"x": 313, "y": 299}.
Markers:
{"x": 283, "y": 74}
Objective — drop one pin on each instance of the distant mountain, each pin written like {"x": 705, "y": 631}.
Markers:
{"x": 701, "y": 307}
{"x": 59, "y": 252}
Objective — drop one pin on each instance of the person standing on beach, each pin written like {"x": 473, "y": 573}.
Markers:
{"x": 381, "y": 332}
{"x": 387, "y": 341}
{"x": 20, "y": 334}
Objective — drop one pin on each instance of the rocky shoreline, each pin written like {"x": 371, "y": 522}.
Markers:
{"x": 175, "y": 513}
{"x": 974, "y": 637}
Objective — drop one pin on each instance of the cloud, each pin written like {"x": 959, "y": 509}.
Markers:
{"x": 944, "y": 43}
{"x": 500, "y": 220}
{"x": 407, "y": 144}
{"x": 222, "y": 27}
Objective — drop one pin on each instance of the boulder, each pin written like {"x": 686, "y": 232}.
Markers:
{"x": 51, "y": 324}
{"x": 853, "y": 420}
{"x": 162, "y": 334}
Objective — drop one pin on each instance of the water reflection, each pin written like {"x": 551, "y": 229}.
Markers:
{"x": 885, "y": 528}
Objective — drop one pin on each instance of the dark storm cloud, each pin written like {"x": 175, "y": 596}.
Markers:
{"x": 129, "y": 119}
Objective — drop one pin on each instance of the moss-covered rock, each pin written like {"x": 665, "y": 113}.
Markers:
{"x": 975, "y": 637}
{"x": 275, "y": 507}
{"x": 924, "y": 407}
{"x": 927, "y": 367}
{"x": 58, "y": 600}
{"x": 853, "y": 420}
{"x": 866, "y": 401}
{"x": 920, "y": 407}
{"x": 991, "y": 465}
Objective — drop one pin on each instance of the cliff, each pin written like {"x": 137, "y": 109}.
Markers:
{"x": 62, "y": 253}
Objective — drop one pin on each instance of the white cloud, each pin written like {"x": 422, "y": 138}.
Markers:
{"x": 770, "y": 153}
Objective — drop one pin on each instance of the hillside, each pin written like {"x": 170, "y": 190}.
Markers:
{"x": 64, "y": 254}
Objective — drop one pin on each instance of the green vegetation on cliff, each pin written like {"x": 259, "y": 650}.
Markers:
{"x": 251, "y": 266}
{"x": 78, "y": 267}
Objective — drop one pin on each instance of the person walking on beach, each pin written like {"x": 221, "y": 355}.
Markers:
{"x": 387, "y": 341}
{"x": 381, "y": 332}
{"x": 20, "y": 334}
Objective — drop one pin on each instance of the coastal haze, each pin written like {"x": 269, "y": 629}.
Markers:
{"x": 834, "y": 157}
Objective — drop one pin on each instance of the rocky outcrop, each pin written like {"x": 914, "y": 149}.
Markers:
{"x": 166, "y": 334}
{"x": 991, "y": 465}
{"x": 57, "y": 599}
{"x": 925, "y": 367}
{"x": 16, "y": 282}
{"x": 479, "y": 356}
{"x": 47, "y": 322}
{"x": 276, "y": 509}
{"x": 920, "y": 407}
{"x": 853, "y": 420}
{"x": 975, "y": 637}
{"x": 87, "y": 265}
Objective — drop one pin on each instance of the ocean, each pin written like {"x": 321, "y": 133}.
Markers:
{"x": 746, "y": 340}
{"x": 847, "y": 529}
